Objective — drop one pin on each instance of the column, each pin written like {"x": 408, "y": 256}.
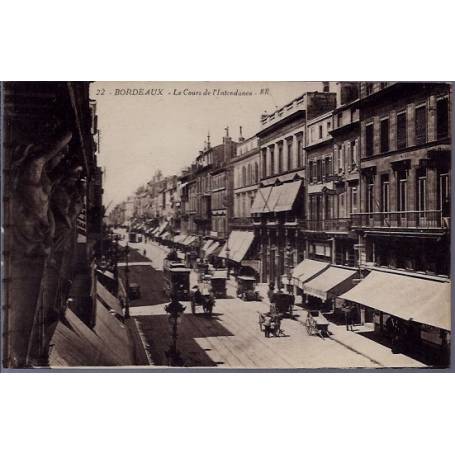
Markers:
{"x": 432, "y": 119}
{"x": 376, "y": 135}
{"x": 411, "y": 131}
{"x": 411, "y": 189}
{"x": 285, "y": 156}
{"x": 393, "y": 190}
{"x": 393, "y": 130}
{"x": 432, "y": 188}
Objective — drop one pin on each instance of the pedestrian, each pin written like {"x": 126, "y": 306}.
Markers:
{"x": 348, "y": 315}
{"x": 145, "y": 252}
{"x": 271, "y": 291}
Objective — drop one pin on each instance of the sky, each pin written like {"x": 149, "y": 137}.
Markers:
{"x": 141, "y": 133}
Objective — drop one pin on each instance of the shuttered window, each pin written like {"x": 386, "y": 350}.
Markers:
{"x": 401, "y": 130}
{"x": 369, "y": 140}
{"x": 442, "y": 120}
{"x": 421, "y": 125}
{"x": 384, "y": 135}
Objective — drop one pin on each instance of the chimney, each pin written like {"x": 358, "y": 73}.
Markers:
{"x": 326, "y": 87}
{"x": 241, "y": 138}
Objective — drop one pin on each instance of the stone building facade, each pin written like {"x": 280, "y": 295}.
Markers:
{"x": 53, "y": 214}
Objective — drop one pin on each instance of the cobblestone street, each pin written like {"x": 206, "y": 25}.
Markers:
{"x": 232, "y": 338}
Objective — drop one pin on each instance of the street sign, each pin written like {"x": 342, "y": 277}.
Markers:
{"x": 358, "y": 246}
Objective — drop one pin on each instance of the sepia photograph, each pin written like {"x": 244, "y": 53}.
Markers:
{"x": 226, "y": 225}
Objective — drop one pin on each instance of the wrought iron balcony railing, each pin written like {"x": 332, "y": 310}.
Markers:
{"x": 330, "y": 225}
{"x": 425, "y": 219}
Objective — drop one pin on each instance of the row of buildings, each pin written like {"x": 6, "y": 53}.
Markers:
{"x": 356, "y": 175}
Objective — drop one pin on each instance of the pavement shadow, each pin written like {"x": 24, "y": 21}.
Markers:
{"x": 414, "y": 352}
{"x": 157, "y": 333}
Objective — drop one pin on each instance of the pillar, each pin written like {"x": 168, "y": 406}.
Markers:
{"x": 432, "y": 119}
{"x": 411, "y": 131}
{"x": 393, "y": 130}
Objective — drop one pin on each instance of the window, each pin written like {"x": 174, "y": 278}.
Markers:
{"x": 340, "y": 119}
{"x": 264, "y": 163}
{"x": 385, "y": 193}
{"x": 256, "y": 172}
{"x": 370, "y": 194}
{"x": 401, "y": 130}
{"x": 280, "y": 158}
{"x": 290, "y": 164}
{"x": 402, "y": 196}
{"x": 421, "y": 190}
{"x": 320, "y": 131}
{"x": 323, "y": 171}
{"x": 243, "y": 176}
{"x": 442, "y": 118}
{"x": 249, "y": 175}
{"x": 384, "y": 135}
{"x": 339, "y": 164}
{"x": 318, "y": 170}
{"x": 353, "y": 199}
{"x": 369, "y": 140}
{"x": 444, "y": 194}
{"x": 299, "y": 153}
{"x": 353, "y": 155}
{"x": 421, "y": 125}
{"x": 328, "y": 166}
{"x": 272, "y": 162}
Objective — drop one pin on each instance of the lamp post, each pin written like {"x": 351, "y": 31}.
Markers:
{"x": 175, "y": 310}
{"x": 288, "y": 268}
{"x": 127, "y": 282}
{"x": 228, "y": 251}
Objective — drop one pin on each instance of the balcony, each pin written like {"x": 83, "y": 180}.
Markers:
{"x": 332, "y": 225}
{"x": 412, "y": 220}
{"x": 241, "y": 222}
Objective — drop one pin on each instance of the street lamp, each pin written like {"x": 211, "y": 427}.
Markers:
{"x": 288, "y": 269}
{"x": 228, "y": 251}
{"x": 127, "y": 281}
{"x": 175, "y": 310}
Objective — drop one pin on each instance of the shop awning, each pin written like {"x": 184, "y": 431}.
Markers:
{"x": 334, "y": 281}
{"x": 178, "y": 238}
{"x": 307, "y": 269}
{"x": 161, "y": 229}
{"x": 288, "y": 195}
{"x": 212, "y": 249}
{"x": 409, "y": 298}
{"x": 260, "y": 200}
{"x": 107, "y": 298}
{"x": 106, "y": 273}
{"x": 207, "y": 244}
{"x": 189, "y": 240}
{"x": 279, "y": 198}
{"x": 239, "y": 242}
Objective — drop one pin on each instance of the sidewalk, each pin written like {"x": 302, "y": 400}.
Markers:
{"x": 381, "y": 355}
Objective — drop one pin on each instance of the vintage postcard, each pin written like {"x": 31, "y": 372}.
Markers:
{"x": 221, "y": 225}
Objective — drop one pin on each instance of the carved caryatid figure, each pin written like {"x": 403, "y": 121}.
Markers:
{"x": 33, "y": 220}
{"x": 65, "y": 196}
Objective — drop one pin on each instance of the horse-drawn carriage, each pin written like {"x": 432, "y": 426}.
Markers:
{"x": 204, "y": 298}
{"x": 177, "y": 279}
{"x": 270, "y": 324}
{"x": 282, "y": 303}
{"x": 317, "y": 324}
{"x": 246, "y": 288}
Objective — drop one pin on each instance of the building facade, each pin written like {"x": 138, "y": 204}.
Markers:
{"x": 405, "y": 176}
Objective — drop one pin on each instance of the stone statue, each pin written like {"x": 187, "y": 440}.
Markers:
{"x": 64, "y": 194}
{"x": 33, "y": 220}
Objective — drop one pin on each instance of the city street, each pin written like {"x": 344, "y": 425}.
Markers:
{"x": 232, "y": 338}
